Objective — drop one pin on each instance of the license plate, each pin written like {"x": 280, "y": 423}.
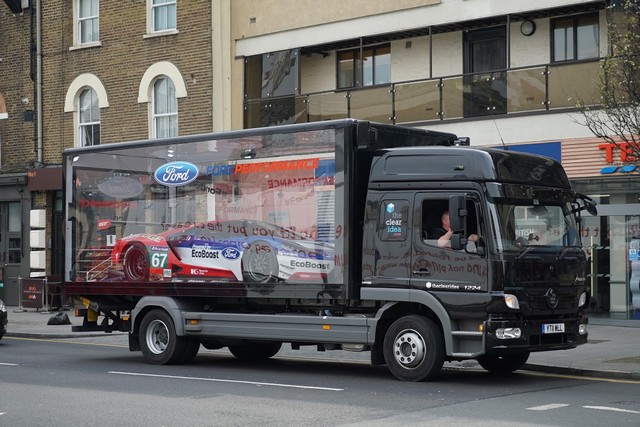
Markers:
{"x": 552, "y": 328}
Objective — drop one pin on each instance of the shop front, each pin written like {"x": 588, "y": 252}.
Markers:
{"x": 610, "y": 176}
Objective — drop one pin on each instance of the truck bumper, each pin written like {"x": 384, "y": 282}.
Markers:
{"x": 533, "y": 335}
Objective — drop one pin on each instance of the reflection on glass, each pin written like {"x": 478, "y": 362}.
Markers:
{"x": 521, "y": 223}
{"x": 526, "y": 90}
{"x": 327, "y": 106}
{"x": 570, "y": 82}
{"x": 452, "y": 90}
{"x": 257, "y": 209}
{"x": 417, "y": 101}
{"x": 278, "y": 111}
{"x": 372, "y": 104}
{"x": 280, "y": 73}
{"x": 485, "y": 94}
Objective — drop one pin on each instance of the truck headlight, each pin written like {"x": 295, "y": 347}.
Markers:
{"x": 583, "y": 299}
{"x": 511, "y": 301}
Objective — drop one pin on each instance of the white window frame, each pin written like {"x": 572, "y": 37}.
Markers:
{"x": 151, "y": 23}
{"x": 77, "y": 27}
{"x": 156, "y": 118}
{"x": 83, "y": 126}
{"x": 145, "y": 90}
{"x": 72, "y": 101}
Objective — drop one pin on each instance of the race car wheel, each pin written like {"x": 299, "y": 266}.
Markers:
{"x": 136, "y": 263}
{"x": 503, "y": 365}
{"x": 414, "y": 348}
{"x": 260, "y": 263}
{"x": 159, "y": 342}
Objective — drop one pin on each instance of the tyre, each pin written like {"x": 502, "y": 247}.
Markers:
{"x": 136, "y": 263}
{"x": 158, "y": 340}
{"x": 255, "y": 351}
{"x": 191, "y": 349}
{"x": 414, "y": 348}
{"x": 503, "y": 365}
{"x": 260, "y": 263}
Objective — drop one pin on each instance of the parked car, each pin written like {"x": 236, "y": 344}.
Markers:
{"x": 232, "y": 250}
{"x": 3, "y": 319}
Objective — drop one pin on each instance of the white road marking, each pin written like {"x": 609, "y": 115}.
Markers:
{"x": 607, "y": 408}
{"x": 227, "y": 381}
{"x": 548, "y": 407}
{"x": 9, "y": 364}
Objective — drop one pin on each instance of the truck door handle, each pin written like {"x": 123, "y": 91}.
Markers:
{"x": 422, "y": 272}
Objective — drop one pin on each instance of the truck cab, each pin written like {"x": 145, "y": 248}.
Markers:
{"x": 518, "y": 287}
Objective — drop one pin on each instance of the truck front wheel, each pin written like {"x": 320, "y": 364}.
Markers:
{"x": 503, "y": 365}
{"x": 414, "y": 348}
{"x": 159, "y": 342}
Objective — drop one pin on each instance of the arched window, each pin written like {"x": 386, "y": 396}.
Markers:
{"x": 88, "y": 118}
{"x": 165, "y": 108}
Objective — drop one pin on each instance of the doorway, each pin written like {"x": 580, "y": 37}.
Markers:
{"x": 485, "y": 80}
{"x": 11, "y": 249}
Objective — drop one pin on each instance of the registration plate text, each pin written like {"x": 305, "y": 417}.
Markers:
{"x": 552, "y": 328}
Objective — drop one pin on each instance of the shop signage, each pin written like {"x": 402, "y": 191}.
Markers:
{"x": 623, "y": 150}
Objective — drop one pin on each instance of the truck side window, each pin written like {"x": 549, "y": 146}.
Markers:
{"x": 432, "y": 210}
{"x": 432, "y": 228}
{"x": 394, "y": 220}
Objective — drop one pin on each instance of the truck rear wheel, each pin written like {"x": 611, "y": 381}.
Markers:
{"x": 414, "y": 348}
{"x": 255, "y": 351}
{"x": 158, "y": 339}
{"x": 503, "y": 365}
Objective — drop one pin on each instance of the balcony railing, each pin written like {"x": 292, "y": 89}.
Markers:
{"x": 517, "y": 90}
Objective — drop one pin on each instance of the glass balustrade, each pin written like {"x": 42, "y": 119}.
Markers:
{"x": 373, "y": 104}
{"x": 417, "y": 101}
{"x": 327, "y": 106}
{"x": 569, "y": 83}
{"x": 521, "y": 90}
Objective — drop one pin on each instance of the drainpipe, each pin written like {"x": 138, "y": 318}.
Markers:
{"x": 39, "y": 158}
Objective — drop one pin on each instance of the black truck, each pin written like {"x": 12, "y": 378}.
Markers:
{"x": 327, "y": 234}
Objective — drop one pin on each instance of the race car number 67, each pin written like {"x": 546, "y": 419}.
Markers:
{"x": 158, "y": 260}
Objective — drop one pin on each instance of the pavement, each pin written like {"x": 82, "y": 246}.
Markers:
{"x": 613, "y": 350}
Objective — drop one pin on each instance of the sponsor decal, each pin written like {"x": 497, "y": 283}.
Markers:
{"x": 230, "y": 253}
{"x": 176, "y": 174}
{"x": 309, "y": 264}
{"x": 204, "y": 251}
{"x": 104, "y": 224}
{"x": 120, "y": 187}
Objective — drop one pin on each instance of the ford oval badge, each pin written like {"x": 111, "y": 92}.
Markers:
{"x": 230, "y": 253}
{"x": 175, "y": 174}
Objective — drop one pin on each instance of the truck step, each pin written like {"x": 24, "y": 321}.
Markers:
{"x": 463, "y": 355}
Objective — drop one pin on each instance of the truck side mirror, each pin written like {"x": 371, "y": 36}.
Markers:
{"x": 458, "y": 221}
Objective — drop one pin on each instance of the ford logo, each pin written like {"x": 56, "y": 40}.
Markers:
{"x": 176, "y": 173}
{"x": 230, "y": 253}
